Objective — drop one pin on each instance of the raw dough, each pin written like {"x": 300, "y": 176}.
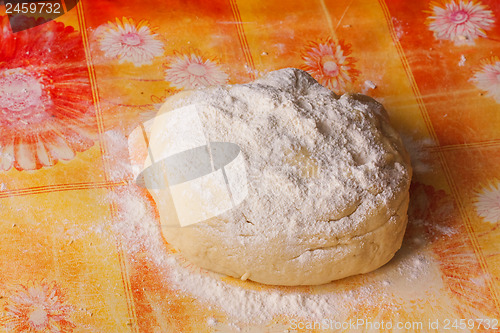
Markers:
{"x": 328, "y": 181}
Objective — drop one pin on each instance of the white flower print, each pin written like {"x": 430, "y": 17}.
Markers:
{"x": 127, "y": 41}
{"x": 192, "y": 70}
{"x": 487, "y": 78}
{"x": 487, "y": 203}
{"x": 460, "y": 22}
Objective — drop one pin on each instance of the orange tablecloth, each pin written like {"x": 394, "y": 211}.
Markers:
{"x": 72, "y": 258}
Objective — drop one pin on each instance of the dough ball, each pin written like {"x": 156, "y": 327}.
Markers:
{"x": 328, "y": 181}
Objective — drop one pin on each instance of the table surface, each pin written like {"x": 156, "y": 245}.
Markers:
{"x": 79, "y": 251}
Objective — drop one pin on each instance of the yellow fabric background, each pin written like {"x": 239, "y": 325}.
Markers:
{"x": 49, "y": 216}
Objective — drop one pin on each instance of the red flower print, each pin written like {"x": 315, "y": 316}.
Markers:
{"x": 328, "y": 62}
{"x": 38, "y": 307}
{"x": 46, "y": 111}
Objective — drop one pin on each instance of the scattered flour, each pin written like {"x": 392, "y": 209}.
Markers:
{"x": 420, "y": 153}
{"x": 399, "y": 30}
{"x": 211, "y": 321}
{"x": 119, "y": 167}
{"x": 462, "y": 60}
{"x": 370, "y": 85}
{"x": 139, "y": 231}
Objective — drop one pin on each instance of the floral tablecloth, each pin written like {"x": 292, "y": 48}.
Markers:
{"x": 75, "y": 255}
